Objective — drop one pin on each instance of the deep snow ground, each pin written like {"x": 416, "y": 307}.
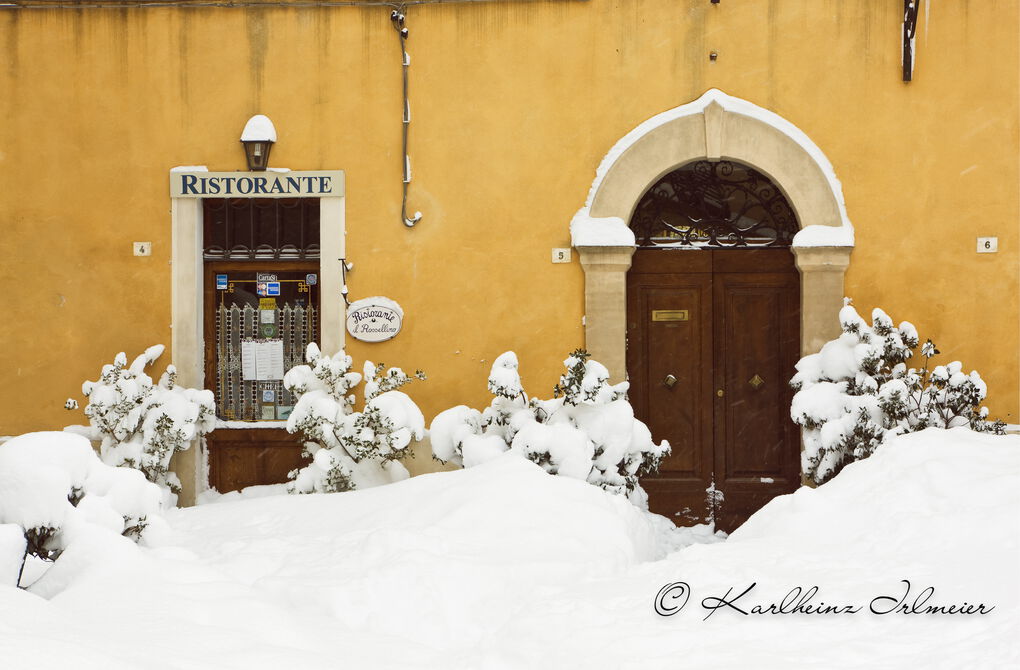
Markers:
{"x": 504, "y": 566}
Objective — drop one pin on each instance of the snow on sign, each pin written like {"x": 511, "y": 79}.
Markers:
{"x": 374, "y": 319}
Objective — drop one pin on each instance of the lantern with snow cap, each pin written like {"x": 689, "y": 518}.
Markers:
{"x": 258, "y": 138}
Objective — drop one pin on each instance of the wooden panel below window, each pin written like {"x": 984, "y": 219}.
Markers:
{"x": 250, "y": 457}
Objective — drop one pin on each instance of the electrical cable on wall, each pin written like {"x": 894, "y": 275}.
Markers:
{"x": 397, "y": 19}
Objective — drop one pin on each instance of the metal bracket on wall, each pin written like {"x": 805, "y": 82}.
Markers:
{"x": 911, "y": 8}
{"x": 345, "y": 267}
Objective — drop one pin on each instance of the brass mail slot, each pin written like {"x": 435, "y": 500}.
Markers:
{"x": 670, "y": 315}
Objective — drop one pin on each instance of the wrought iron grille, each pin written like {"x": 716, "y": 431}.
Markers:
{"x": 241, "y": 400}
{"x": 716, "y": 204}
{"x": 256, "y": 229}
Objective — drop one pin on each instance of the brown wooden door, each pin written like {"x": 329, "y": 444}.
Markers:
{"x": 713, "y": 337}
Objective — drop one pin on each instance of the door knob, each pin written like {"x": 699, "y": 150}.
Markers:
{"x": 669, "y": 382}
{"x": 720, "y": 393}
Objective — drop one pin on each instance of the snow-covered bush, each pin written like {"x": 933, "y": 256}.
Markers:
{"x": 12, "y": 553}
{"x": 55, "y": 489}
{"x": 141, "y": 424}
{"x": 587, "y": 431}
{"x": 350, "y": 449}
{"x": 857, "y": 392}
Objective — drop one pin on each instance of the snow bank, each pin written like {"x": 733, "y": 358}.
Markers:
{"x": 502, "y": 566}
{"x": 938, "y": 508}
{"x": 405, "y": 575}
{"x": 442, "y": 558}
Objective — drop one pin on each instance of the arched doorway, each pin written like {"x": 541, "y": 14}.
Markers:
{"x": 716, "y": 128}
{"x": 713, "y": 334}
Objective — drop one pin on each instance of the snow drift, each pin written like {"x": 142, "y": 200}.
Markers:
{"x": 502, "y": 566}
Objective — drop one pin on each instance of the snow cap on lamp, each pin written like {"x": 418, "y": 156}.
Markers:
{"x": 258, "y": 137}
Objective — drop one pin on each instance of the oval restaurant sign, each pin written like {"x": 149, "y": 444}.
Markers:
{"x": 374, "y": 319}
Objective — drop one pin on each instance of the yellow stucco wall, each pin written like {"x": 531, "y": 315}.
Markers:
{"x": 513, "y": 106}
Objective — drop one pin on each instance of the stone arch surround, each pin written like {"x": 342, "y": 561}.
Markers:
{"x": 714, "y": 127}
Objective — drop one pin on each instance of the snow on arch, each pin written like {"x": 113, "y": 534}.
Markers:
{"x": 586, "y": 230}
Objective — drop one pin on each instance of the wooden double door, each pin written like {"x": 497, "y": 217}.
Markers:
{"x": 712, "y": 340}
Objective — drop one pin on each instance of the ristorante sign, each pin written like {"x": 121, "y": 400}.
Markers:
{"x": 198, "y": 184}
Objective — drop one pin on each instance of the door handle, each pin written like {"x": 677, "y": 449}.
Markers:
{"x": 669, "y": 382}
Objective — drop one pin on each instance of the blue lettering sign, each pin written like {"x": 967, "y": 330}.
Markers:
{"x": 188, "y": 184}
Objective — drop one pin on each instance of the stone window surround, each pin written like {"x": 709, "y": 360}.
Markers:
{"x": 713, "y": 133}
{"x": 187, "y": 323}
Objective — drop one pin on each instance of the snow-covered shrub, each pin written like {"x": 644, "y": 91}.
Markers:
{"x": 586, "y": 431}
{"x": 141, "y": 424}
{"x": 12, "y": 553}
{"x": 857, "y": 392}
{"x": 55, "y": 489}
{"x": 350, "y": 449}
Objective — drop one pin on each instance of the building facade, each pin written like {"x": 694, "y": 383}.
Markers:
{"x": 535, "y": 132}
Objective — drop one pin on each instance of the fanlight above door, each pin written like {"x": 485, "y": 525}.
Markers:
{"x": 714, "y": 204}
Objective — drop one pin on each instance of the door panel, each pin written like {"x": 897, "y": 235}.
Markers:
{"x": 756, "y": 444}
{"x": 742, "y": 339}
{"x": 673, "y": 342}
{"x": 247, "y": 457}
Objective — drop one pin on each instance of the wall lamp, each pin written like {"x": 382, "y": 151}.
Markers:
{"x": 258, "y": 138}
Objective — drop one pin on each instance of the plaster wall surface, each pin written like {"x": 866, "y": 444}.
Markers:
{"x": 513, "y": 106}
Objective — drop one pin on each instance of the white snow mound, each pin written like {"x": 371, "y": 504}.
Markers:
{"x": 503, "y": 566}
